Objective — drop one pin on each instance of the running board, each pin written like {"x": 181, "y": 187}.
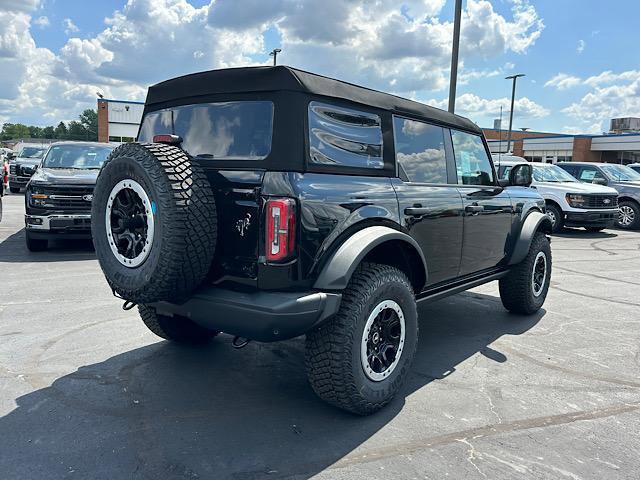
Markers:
{"x": 451, "y": 289}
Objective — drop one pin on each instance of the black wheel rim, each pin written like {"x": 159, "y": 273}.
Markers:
{"x": 383, "y": 340}
{"x": 539, "y": 274}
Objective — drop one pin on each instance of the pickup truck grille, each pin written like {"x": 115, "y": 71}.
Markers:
{"x": 601, "y": 201}
{"x": 69, "y": 199}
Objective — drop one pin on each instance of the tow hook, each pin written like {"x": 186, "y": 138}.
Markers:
{"x": 240, "y": 342}
{"x": 128, "y": 304}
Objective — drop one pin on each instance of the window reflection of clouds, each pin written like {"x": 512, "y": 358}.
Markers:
{"x": 472, "y": 161}
{"x": 420, "y": 151}
{"x": 228, "y": 130}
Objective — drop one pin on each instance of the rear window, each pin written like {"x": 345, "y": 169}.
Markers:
{"x": 220, "y": 131}
{"x": 344, "y": 137}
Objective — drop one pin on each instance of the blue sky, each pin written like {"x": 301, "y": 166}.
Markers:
{"x": 578, "y": 55}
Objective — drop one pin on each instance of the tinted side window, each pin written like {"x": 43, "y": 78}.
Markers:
{"x": 220, "y": 131}
{"x": 345, "y": 137}
{"x": 589, "y": 174}
{"x": 472, "y": 162}
{"x": 570, "y": 169}
{"x": 420, "y": 151}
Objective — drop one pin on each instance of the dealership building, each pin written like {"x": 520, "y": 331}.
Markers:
{"x": 118, "y": 120}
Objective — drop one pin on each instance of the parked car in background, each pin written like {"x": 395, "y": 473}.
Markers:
{"x": 635, "y": 166}
{"x": 624, "y": 179}
{"x": 24, "y": 165}
{"x": 569, "y": 203}
{"x": 58, "y": 196}
{"x": 280, "y": 203}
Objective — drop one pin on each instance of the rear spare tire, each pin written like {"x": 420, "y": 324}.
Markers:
{"x": 153, "y": 222}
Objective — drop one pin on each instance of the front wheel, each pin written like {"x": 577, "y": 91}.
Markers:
{"x": 359, "y": 359}
{"x": 525, "y": 288}
{"x": 628, "y": 215}
{"x": 36, "y": 244}
{"x": 557, "y": 218}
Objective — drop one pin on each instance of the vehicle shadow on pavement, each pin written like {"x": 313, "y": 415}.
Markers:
{"x": 13, "y": 249}
{"x": 164, "y": 411}
{"x": 579, "y": 233}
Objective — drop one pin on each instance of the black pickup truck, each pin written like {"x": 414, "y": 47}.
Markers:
{"x": 269, "y": 203}
{"x": 59, "y": 194}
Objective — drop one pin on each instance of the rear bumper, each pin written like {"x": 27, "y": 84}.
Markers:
{"x": 261, "y": 316}
{"x": 58, "y": 225}
{"x": 600, "y": 218}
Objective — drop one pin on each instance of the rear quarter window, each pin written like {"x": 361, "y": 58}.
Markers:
{"x": 346, "y": 137}
{"x": 219, "y": 131}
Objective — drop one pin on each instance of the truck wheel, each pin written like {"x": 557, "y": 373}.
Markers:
{"x": 525, "y": 288}
{"x": 14, "y": 189}
{"x": 36, "y": 244}
{"x": 153, "y": 222}
{"x": 358, "y": 360}
{"x": 556, "y": 216}
{"x": 628, "y": 215}
{"x": 177, "y": 329}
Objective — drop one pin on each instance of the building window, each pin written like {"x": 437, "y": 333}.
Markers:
{"x": 420, "y": 151}
{"x": 115, "y": 139}
{"x": 344, "y": 137}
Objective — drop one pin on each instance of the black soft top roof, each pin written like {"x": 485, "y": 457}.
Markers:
{"x": 280, "y": 78}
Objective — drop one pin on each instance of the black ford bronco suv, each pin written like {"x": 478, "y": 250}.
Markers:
{"x": 269, "y": 203}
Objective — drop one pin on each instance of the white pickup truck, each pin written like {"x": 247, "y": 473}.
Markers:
{"x": 569, "y": 202}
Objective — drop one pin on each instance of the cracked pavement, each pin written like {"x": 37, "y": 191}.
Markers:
{"x": 87, "y": 392}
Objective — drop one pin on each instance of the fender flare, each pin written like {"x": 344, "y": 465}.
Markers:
{"x": 337, "y": 272}
{"x": 534, "y": 222}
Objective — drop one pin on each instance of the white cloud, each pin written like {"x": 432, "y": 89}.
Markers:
{"x": 609, "y": 77}
{"x": 581, "y": 46}
{"x": 562, "y": 81}
{"x": 70, "y": 27}
{"x": 42, "y": 22}
{"x": 395, "y": 45}
{"x": 475, "y": 107}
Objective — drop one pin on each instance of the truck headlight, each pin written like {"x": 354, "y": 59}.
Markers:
{"x": 576, "y": 200}
{"x": 36, "y": 197}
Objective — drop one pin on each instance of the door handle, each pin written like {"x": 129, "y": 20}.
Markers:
{"x": 416, "y": 211}
{"x": 474, "y": 209}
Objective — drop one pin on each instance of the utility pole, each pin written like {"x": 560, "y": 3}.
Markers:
{"x": 274, "y": 53}
{"x": 454, "y": 56}
{"x": 513, "y": 97}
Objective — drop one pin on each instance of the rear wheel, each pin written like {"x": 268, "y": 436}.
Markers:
{"x": 177, "y": 329}
{"x": 36, "y": 244}
{"x": 525, "y": 288}
{"x": 359, "y": 359}
{"x": 628, "y": 215}
{"x": 556, "y": 216}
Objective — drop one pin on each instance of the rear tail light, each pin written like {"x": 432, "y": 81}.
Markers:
{"x": 281, "y": 229}
{"x": 167, "y": 139}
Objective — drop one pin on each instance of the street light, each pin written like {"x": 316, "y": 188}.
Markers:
{"x": 513, "y": 97}
{"x": 454, "y": 56}
{"x": 274, "y": 53}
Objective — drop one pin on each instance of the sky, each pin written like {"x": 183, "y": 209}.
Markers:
{"x": 580, "y": 57}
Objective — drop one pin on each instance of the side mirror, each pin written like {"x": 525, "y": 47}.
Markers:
{"x": 521, "y": 176}
{"x": 11, "y": 156}
{"x": 599, "y": 181}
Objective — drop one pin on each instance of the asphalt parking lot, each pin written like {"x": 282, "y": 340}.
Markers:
{"x": 87, "y": 392}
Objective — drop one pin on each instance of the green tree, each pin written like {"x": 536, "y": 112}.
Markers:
{"x": 35, "y": 132}
{"x": 61, "y": 131}
{"x": 14, "y": 130}
{"x": 76, "y": 131}
{"x": 89, "y": 120}
{"x": 48, "y": 132}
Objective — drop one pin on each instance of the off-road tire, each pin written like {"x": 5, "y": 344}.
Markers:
{"x": 185, "y": 222}
{"x": 636, "y": 210}
{"x": 14, "y": 189}
{"x": 332, "y": 357}
{"x": 558, "y": 225}
{"x": 177, "y": 329}
{"x": 516, "y": 289}
{"x": 36, "y": 244}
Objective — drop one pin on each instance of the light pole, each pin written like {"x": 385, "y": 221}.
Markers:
{"x": 274, "y": 53}
{"x": 513, "y": 97}
{"x": 454, "y": 56}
